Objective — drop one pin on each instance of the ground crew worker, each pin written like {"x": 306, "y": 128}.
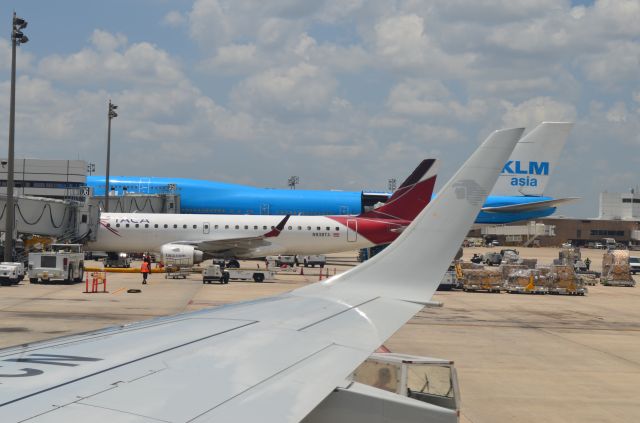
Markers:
{"x": 587, "y": 263}
{"x": 145, "y": 269}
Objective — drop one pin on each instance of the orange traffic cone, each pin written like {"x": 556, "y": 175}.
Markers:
{"x": 320, "y": 276}
{"x": 301, "y": 270}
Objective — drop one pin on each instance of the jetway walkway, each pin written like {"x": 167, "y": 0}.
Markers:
{"x": 139, "y": 203}
{"x": 65, "y": 220}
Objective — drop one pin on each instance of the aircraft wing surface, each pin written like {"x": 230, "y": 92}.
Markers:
{"x": 536, "y": 205}
{"x": 269, "y": 360}
{"x": 238, "y": 245}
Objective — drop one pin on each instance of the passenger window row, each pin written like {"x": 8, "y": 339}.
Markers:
{"x": 246, "y": 227}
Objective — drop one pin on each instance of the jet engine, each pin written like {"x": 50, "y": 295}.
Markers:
{"x": 180, "y": 255}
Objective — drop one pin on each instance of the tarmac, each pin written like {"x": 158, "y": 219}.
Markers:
{"x": 520, "y": 358}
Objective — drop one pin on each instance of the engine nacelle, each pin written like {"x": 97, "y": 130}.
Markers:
{"x": 180, "y": 255}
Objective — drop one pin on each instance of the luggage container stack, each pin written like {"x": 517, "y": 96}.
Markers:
{"x": 526, "y": 281}
{"x": 615, "y": 269}
{"x": 489, "y": 280}
{"x": 508, "y": 269}
{"x": 562, "y": 280}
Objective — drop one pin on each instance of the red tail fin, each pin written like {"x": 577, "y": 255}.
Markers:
{"x": 413, "y": 195}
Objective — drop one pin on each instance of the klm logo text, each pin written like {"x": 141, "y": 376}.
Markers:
{"x": 516, "y": 167}
{"x": 523, "y": 173}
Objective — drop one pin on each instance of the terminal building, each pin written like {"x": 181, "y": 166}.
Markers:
{"x": 620, "y": 206}
{"x": 59, "y": 179}
{"x": 67, "y": 180}
{"x": 619, "y": 218}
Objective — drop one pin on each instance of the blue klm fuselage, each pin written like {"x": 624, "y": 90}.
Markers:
{"x": 208, "y": 197}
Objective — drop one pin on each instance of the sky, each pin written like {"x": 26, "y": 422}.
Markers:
{"x": 344, "y": 94}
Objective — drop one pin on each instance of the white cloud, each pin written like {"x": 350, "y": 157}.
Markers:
{"x": 107, "y": 42}
{"x": 401, "y": 40}
{"x": 300, "y": 89}
{"x": 174, "y": 19}
{"x": 620, "y": 62}
{"x": 113, "y": 60}
{"x": 432, "y": 99}
{"x": 617, "y": 113}
{"x": 533, "y": 111}
{"x": 234, "y": 59}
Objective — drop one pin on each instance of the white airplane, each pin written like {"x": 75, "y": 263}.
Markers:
{"x": 271, "y": 360}
{"x": 186, "y": 237}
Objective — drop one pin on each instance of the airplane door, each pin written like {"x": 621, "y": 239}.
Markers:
{"x": 352, "y": 230}
{"x": 264, "y": 208}
{"x": 205, "y": 227}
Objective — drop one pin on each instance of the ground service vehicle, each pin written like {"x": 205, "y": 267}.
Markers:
{"x": 62, "y": 262}
{"x": 11, "y": 273}
{"x": 313, "y": 260}
{"x": 215, "y": 273}
{"x": 492, "y": 259}
{"x": 634, "y": 264}
{"x": 120, "y": 260}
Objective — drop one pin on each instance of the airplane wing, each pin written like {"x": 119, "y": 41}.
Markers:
{"x": 536, "y": 205}
{"x": 270, "y": 360}
{"x": 237, "y": 245}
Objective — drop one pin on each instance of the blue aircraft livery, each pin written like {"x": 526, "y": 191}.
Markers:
{"x": 518, "y": 194}
{"x": 525, "y": 174}
{"x": 210, "y": 197}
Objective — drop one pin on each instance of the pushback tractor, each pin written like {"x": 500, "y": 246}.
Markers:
{"x": 61, "y": 262}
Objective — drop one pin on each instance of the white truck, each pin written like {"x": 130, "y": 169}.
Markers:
{"x": 214, "y": 273}
{"x": 280, "y": 261}
{"x": 313, "y": 260}
{"x": 62, "y": 262}
{"x": 11, "y": 273}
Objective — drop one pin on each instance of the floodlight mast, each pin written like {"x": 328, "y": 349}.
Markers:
{"x": 17, "y": 38}
{"x": 111, "y": 114}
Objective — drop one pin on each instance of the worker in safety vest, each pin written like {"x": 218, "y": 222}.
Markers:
{"x": 145, "y": 269}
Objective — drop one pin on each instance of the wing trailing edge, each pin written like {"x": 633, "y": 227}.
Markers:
{"x": 532, "y": 206}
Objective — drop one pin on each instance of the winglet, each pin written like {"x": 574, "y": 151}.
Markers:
{"x": 411, "y": 268}
{"x": 276, "y": 231}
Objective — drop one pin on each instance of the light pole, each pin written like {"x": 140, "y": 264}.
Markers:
{"x": 293, "y": 181}
{"x": 112, "y": 114}
{"x": 91, "y": 167}
{"x": 17, "y": 38}
{"x": 392, "y": 184}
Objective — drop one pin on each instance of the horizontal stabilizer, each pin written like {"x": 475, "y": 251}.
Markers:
{"x": 536, "y": 205}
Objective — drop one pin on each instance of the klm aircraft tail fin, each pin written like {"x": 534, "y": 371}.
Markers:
{"x": 532, "y": 162}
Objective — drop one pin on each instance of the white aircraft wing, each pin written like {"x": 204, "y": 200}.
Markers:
{"x": 270, "y": 360}
{"x": 536, "y": 205}
{"x": 238, "y": 245}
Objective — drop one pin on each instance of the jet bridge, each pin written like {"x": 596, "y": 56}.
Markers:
{"x": 66, "y": 220}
